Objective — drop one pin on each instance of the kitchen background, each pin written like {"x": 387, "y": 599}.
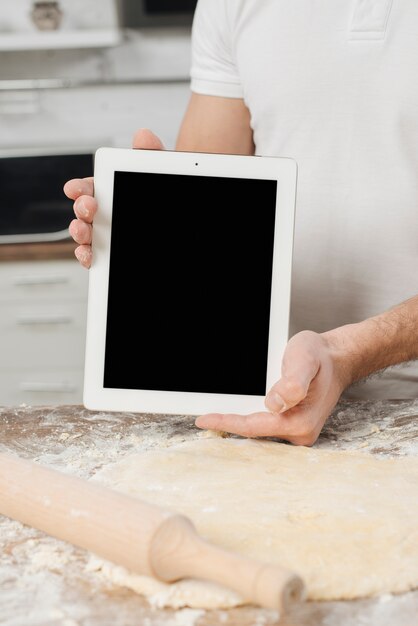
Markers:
{"x": 74, "y": 75}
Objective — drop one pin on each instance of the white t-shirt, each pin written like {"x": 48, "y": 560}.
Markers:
{"x": 333, "y": 85}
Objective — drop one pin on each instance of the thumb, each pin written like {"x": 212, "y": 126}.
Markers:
{"x": 301, "y": 363}
{"x": 146, "y": 140}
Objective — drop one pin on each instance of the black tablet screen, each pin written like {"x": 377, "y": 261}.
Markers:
{"x": 190, "y": 283}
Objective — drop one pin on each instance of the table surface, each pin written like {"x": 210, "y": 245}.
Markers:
{"x": 45, "y": 582}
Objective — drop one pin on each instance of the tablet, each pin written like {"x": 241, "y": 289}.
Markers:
{"x": 189, "y": 287}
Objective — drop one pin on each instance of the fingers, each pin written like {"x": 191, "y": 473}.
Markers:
{"x": 301, "y": 363}
{"x": 84, "y": 255}
{"x": 146, "y": 140}
{"x": 81, "y": 232}
{"x": 299, "y": 429}
{"x": 77, "y": 187}
{"x": 253, "y": 425}
{"x": 85, "y": 208}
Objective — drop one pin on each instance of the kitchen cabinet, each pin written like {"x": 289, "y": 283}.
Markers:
{"x": 59, "y": 40}
{"x": 29, "y": 25}
{"x": 42, "y": 331}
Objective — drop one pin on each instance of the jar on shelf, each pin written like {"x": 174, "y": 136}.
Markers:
{"x": 46, "y": 15}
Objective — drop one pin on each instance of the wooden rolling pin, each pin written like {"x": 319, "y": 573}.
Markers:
{"x": 142, "y": 537}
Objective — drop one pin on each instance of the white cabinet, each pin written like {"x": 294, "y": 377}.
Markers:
{"x": 43, "y": 308}
{"x": 80, "y": 24}
{"x": 58, "y": 40}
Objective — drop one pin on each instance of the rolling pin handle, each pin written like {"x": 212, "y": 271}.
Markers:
{"x": 177, "y": 551}
{"x": 277, "y": 588}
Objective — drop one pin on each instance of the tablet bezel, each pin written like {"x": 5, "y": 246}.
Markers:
{"x": 110, "y": 160}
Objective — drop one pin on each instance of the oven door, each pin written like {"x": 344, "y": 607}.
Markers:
{"x": 33, "y": 206}
{"x": 140, "y": 13}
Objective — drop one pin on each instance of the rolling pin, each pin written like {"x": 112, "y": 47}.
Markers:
{"x": 144, "y": 538}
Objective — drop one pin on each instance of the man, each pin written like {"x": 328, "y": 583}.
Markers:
{"x": 336, "y": 90}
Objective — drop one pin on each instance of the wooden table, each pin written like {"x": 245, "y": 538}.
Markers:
{"x": 45, "y": 582}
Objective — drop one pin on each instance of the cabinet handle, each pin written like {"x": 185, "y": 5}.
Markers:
{"x": 34, "y": 320}
{"x": 24, "y": 281}
{"x": 62, "y": 387}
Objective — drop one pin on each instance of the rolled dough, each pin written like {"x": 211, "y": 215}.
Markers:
{"x": 345, "y": 521}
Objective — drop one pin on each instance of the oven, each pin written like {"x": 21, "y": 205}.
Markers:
{"x": 33, "y": 206}
{"x": 144, "y": 13}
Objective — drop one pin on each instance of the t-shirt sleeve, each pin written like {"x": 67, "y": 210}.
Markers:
{"x": 213, "y": 70}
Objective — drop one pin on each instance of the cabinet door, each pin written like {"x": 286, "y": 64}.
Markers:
{"x": 43, "y": 308}
{"x": 41, "y": 387}
{"x": 42, "y": 281}
{"x": 43, "y": 335}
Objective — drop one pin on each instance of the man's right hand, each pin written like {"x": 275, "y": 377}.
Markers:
{"x": 81, "y": 190}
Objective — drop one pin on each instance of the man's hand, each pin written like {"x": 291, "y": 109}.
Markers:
{"x": 313, "y": 378}
{"x": 85, "y": 206}
{"x": 317, "y": 368}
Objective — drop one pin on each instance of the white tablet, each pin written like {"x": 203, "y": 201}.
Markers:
{"x": 189, "y": 288}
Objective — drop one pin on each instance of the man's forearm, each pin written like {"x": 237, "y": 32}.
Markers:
{"x": 376, "y": 343}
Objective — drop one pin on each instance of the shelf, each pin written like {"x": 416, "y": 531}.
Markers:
{"x": 56, "y": 40}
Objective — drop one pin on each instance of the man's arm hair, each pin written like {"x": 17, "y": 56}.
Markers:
{"x": 378, "y": 342}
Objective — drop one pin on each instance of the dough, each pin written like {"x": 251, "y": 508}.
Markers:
{"x": 345, "y": 521}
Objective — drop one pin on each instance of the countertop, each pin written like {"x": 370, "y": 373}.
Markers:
{"x": 45, "y": 582}
{"x": 48, "y": 250}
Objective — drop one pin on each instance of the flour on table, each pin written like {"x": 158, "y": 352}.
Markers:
{"x": 346, "y": 522}
{"x": 197, "y": 594}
